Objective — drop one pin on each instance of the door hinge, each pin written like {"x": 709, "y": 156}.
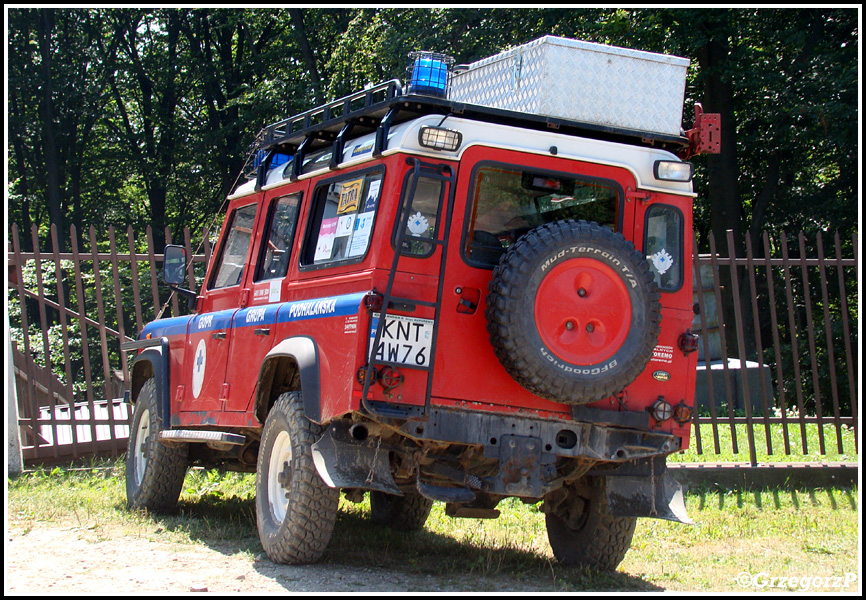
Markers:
{"x": 639, "y": 195}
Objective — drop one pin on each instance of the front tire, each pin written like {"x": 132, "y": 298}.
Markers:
{"x": 154, "y": 471}
{"x": 295, "y": 509}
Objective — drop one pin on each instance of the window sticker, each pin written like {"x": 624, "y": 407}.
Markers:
{"x": 361, "y": 238}
{"x": 372, "y": 195}
{"x": 662, "y": 261}
{"x": 350, "y": 195}
{"x": 327, "y": 233}
{"x": 418, "y": 224}
{"x": 345, "y": 225}
{"x": 346, "y": 210}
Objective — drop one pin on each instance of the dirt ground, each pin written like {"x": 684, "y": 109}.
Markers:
{"x": 51, "y": 559}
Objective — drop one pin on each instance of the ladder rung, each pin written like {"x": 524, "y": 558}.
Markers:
{"x": 395, "y": 300}
{"x": 388, "y": 363}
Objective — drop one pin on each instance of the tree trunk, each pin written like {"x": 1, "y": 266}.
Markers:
{"x": 307, "y": 53}
{"x": 725, "y": 209}
{"x": 49, "y": 140}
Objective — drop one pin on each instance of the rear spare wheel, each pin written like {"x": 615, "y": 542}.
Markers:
{"x": 573, "y": 312}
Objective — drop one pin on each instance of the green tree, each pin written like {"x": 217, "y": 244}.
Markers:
{"x": 144, "y": 116}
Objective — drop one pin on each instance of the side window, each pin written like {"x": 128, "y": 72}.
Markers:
{"x": 277, "y": 245}
{"x": 507, "y": 201}
{"x": 317, "y": 160}
{"x": 663, "y": 245}
{"x": 423, "y": 216}
{"x": 341, "y": 226}
{"x": 233, "y": 254}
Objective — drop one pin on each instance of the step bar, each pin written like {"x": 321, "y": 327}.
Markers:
{"x": 217, "y": 440}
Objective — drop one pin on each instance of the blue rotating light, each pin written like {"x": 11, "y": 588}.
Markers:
{"x": 429, "y": 74}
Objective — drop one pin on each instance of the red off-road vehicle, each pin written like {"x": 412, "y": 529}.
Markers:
{"x": 433, "y": 298}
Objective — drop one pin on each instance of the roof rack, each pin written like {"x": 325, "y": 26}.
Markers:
{"x": 379, "y": 107}
{"x": 326, "y": 121}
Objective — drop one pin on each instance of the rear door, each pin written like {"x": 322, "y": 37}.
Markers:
{"x": 502, "y": 195}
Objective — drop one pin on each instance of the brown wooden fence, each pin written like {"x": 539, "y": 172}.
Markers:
{"x": 778, "y": 341}
{"x": 70, "y": 311}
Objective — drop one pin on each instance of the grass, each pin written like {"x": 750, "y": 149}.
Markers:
{"x": 781, "y": 534}
{"x": 795, "y": 453}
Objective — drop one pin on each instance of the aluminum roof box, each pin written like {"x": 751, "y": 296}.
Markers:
{"x": 582, "y": 81}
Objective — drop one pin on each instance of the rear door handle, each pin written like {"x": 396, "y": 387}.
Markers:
{"x": 262, "y": 331}
{"x": 220, "y": 335}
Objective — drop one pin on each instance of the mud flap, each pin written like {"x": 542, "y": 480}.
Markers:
{"x": 344, "y": 462}
{"x": 658, "y": 496}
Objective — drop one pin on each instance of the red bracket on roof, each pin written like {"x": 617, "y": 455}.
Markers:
{"x": 706, "y": 136}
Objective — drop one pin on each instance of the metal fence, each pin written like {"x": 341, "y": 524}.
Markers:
{"x": 778, "y": 341}
{"x": 779, "y": 344}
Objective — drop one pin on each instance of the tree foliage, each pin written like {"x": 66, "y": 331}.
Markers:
{"x": 132, "y": 116}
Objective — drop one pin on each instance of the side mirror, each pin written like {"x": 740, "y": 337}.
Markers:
{"x": 174, "y": 265}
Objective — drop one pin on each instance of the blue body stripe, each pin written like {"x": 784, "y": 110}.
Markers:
{"x": 334, "y": 306}
{"x": 166, "y": 327}
{"x": 211, "y": 321}
{"x": 256, "y": 316}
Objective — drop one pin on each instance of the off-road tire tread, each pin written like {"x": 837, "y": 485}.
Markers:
{"x": 401, "y": 513}
{"x": 506, "y": 323}
{"x": 312, "y": 511}
{"x": 166, "y": 466}
{"x": 601, "y": 544}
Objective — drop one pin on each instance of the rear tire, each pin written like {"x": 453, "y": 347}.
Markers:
{"x": 402, "y": 513}
{"x": 581, "y": 530}
{"x": 295, "y": 509}
{"x": 154, "y": 471}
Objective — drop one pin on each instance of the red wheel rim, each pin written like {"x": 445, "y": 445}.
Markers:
{"x": 582, "y": 311}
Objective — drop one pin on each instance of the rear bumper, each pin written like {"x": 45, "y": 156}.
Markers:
{"x": 575, "y": 439}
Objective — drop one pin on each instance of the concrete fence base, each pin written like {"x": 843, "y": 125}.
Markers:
{"x": 744, "y": 476}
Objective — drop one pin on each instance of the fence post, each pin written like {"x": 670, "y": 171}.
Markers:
{"x": 14, "y": 461}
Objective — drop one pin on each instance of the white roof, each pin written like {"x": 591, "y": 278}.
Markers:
{"x": 404, "y": 138}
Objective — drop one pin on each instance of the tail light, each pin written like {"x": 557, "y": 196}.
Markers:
{"x": 688, "y": 342}
{"x": 661, "y": 410}
{"x": 682, "y": 413}
{"x": 373, "y": 301}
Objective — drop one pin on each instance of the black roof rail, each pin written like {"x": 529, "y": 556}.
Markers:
{"x": 326, "y": 121}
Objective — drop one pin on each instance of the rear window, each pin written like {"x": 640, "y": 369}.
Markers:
{"x": 423, "y": 219}
{"x": 507, "y": 201}
{"x": 663, "y": 245}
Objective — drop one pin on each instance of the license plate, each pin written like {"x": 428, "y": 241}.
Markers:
{"x": 404, "y": 341}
